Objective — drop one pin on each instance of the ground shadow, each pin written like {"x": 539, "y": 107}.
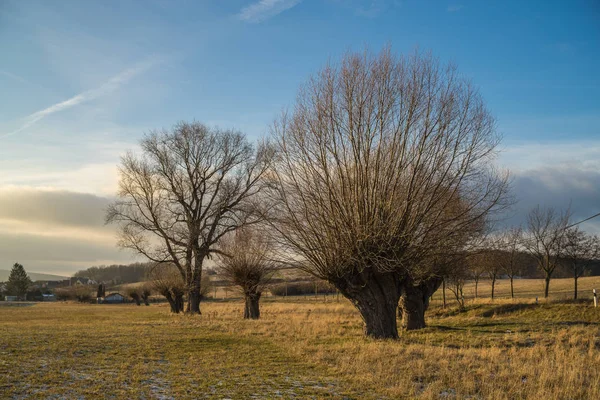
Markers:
{"x": 508, "y": 308}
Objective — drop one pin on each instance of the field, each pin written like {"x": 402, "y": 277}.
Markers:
{"x": 304, "y": 348}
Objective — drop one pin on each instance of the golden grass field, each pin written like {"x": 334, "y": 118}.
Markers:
{"x": 303, "y": 348}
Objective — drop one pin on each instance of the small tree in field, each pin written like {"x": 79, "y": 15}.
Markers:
{"x": 146, "y": 292}
{"x": 18, "y": 281}
{"x": 492, "y": 264}
{"x": 476, "y": 269}
{"x": 134, "y": 293}
{"x": 382, "y": 158}
{"x": 546, "y": 232}
{"x": 246, "y": 262}
{"x": 579, "y": 251}
{"x": 167, "y": 281}
{"x": 508, "y": 245}
{"x": 456, "y": 284}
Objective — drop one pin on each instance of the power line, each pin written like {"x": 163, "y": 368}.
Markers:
{"x": 582, "y": 221}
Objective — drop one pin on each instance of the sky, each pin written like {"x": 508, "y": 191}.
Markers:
{"x": 82, "y": 81}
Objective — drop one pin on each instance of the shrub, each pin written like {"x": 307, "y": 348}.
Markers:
{"x": 301, "y": 288}
{"x": 81, "y": 293}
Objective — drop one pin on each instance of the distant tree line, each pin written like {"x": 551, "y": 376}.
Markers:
{"x": 117, "y": 273}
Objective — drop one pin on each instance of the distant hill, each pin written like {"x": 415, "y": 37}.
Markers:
{"x": 35, "y": 276}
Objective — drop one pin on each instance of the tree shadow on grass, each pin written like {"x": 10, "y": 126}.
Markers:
{"x": 474, "y": 327}
{"x": 508, "y": 308}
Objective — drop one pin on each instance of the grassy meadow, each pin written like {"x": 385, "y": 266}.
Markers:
{"x": 305, "y": 348}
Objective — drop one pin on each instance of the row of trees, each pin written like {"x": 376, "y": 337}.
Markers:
{"x": 548, "y": 240}
{"x": 380, "y": 180}
{"x": 117, "y": 274}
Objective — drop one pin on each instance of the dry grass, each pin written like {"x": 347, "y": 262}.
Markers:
{"x": 301, "y": 348}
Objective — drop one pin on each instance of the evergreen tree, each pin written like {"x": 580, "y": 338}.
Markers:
{"x": 18, "y": 281}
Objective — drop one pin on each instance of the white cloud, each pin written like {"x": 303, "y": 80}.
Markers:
{"x": 109, "y": 86}
{"x": 94, "y": 178}
{"x": 14, "y": 77}
{"x": 265, "y": 9}
{"x": 454, "y": 7}
{"x": 582, "y": 155}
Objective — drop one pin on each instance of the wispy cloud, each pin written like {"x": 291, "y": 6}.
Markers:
{"x": 15, "y": 77}
{"x": 107, "y": 87}
{"x": 454, "y": 7}
{"x": 265, "y": 9}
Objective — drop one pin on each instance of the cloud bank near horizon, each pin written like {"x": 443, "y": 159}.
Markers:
{"x": 56, "y": 231}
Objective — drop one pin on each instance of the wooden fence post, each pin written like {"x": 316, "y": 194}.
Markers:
{"x": 595, "y": 299}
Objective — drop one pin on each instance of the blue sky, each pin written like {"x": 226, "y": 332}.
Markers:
{"x": 81, "y": 81}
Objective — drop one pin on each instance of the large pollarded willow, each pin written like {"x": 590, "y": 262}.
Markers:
{"x": 382, "y": 160}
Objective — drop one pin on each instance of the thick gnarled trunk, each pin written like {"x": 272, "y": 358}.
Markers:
{"x": 175, "y": 299}
{"x": 251, "y": 307}
{"x": 376, "y": 297}
{"x": 415, "y": 301}
{"x": 413, "y": 309}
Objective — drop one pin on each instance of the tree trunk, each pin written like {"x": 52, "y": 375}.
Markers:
{"x": 443, "y": 293}
{"x": 547, "y": 286}
{"x": 193, "y": 306}
{"x": 413, "y": 308}
{"x": 415, "y": 301}
{"x": 194, "y": 296}
{"x": 194, "y": 290}
{"x": 172, "y": 301}
{"x": 376, "y": 296}
{"x": 493, "y": 286}
{"x": 512, "y": 291}
{"x": 251, "y": 308}
{"x": 476, "y": 282}
{"x": 575, "y": 292}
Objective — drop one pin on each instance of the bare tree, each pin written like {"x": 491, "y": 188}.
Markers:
{"x": 579, "y": 251}
{"x": 134, "y": 293}
{"x": 477, "y": 269}
{"x": 146, "y": 292}
{"x": 373, "y": 161}
{"x": 190, "y": 187}
{"x": 492, "y": 264}
{"x": 167, "y": 281}
{"x": 247, "y": 262}
{"x": 508, "y": 245}
{"x": 545, "y": 239}
{"x": 456, "y": 284}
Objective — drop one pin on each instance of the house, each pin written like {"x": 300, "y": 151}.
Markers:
{"x": 114, "y": 298}
{"x": 49, "y": 297}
